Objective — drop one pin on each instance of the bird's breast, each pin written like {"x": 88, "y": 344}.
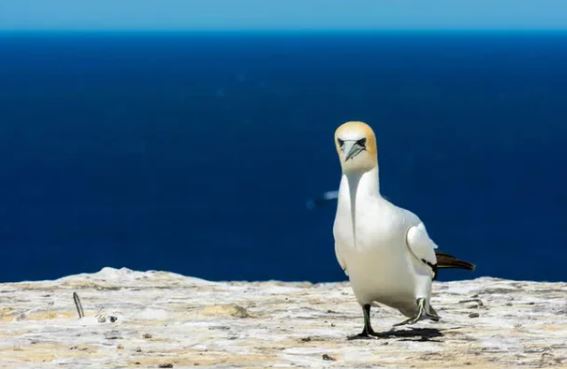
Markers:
{"x": 373, "y": 228}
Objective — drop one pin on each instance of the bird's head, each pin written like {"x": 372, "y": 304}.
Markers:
{"x": 356, "y": 146}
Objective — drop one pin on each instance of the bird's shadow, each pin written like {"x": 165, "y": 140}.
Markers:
{"x": 413, "y": 334}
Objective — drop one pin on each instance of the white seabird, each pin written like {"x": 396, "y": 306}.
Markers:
{"x": 385, "y": 250}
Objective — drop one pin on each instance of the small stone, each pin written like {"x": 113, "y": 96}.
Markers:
{"x": 232, "y": 310}
{"x": 474, "y": 315}
{"x": 120, "y": 347}
{"x": 328, "y": 357}
{"x": 138, "y": 349}
{"x": 306, "y": 339}
{"x": 112, "y": 335}
{"x": 112, "y": 318}
{"x": 165, "y": 365}
{"x": 147, "y": 336}
{"x": 219, "y": 327}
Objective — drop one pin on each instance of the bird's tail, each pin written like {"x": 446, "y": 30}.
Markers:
{"x": 449, "y": 261}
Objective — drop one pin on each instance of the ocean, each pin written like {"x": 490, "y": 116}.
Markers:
{"x": 197, "y": 153}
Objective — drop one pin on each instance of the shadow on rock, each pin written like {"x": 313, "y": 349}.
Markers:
{"x": 413, "y": 334}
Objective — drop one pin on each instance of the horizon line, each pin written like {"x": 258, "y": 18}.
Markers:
{"x": 282, "y": 30}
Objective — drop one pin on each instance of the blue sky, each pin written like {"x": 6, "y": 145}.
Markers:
{"x": 281, "y": 14}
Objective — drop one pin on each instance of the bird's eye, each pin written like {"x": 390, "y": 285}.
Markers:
{"x": 340, "y": 142}
{"x": 361, "y": 142}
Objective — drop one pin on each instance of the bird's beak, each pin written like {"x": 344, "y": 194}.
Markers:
{"x": 351, "y": 149}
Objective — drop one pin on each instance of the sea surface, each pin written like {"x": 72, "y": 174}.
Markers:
{"x": 198, "y": 152}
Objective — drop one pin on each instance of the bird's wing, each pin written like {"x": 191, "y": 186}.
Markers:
{"x": 421, "y": 246}
{"x": 340, "y": 260}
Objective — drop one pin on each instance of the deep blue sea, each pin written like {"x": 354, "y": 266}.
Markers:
{"x": 197, "y": 152}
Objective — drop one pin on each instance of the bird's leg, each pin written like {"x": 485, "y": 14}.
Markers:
{"x": 431, "y": 313}
{"x": 367, "y": 331}
{"x": 421, "y": 313}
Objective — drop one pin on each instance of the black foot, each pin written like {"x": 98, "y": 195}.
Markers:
{"x": 360, "y": 336}
{"x": 364, "y": 335}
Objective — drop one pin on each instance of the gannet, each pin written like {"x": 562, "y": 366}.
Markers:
{"x": 383, "y": 249}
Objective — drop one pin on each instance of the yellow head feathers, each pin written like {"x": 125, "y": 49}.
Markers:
{"x": 356, "y": 146}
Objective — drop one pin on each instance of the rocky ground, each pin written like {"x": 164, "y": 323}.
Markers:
{"x": 164, "y": 320}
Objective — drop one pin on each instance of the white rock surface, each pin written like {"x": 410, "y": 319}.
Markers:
{"x": 168, "y": 320}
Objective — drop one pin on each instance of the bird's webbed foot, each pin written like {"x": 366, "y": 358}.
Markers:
{"x": 366, "y": 334}
{"x": 431, "y": 313}
{"x": 361, "y": 336}
{"x": 424, "y": 311}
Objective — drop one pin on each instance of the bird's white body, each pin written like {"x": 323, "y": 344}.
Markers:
{"x": 384, "y": 249}
{"x": 381, "y": 247}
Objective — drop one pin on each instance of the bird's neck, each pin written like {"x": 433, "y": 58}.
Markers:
{"x": 355, "y": 190}
{"x": 362, "y": 184}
